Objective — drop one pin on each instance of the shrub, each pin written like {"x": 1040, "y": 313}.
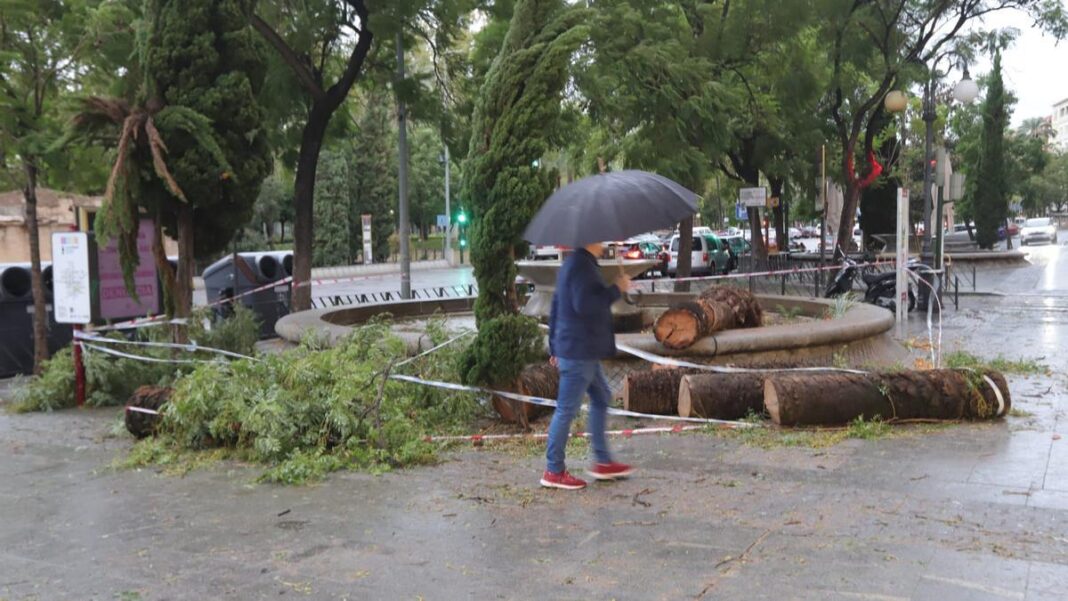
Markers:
{"x": 501, "y": 348}
{"x": 110, "y": 380}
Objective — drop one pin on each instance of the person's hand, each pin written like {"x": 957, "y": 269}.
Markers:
{"x": 554, "y": 362}
{"x": 623, "y": 283}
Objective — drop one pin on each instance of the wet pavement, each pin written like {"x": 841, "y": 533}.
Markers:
{"x": 969, "y": 512}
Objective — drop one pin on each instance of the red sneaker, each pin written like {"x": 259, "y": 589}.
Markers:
{"x": 562, "y": 480}
{"x": 610, "y": 471}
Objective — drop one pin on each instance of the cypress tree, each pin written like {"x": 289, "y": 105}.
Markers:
{"x": 374, "y": 174}
{"x": 991, "y": 191}
{"x": 331, "y": 211}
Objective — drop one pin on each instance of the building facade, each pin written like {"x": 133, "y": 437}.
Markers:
{"x": 1059, "y": 121}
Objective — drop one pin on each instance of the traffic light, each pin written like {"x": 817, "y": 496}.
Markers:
{"x": 461, "y": 218}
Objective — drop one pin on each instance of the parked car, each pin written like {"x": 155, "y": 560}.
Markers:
{"x": 709, "y": 255}
{"x": 545, "y": 253}
{"x": 1038, "y": 229}
{"x": 738, "y": 245}
{"x": 652, "y": 251}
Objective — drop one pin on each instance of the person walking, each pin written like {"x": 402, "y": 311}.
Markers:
{"x": 580, "y": 336}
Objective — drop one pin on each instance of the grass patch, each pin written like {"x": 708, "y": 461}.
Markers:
{"x": 966, "y": 360}
{"x": 790, "y": 313}
{"x": 772, "y": 437}
{"x": 1017, "y": 412}
{"x": 842, "y": 305}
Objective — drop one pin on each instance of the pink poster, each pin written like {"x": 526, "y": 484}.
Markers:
{"x": 115, "y": 301}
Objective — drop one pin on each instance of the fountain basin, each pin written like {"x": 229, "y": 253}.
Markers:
{"x": 626, "y": 317}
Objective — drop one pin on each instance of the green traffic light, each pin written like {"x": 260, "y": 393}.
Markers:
{"x": 462, "y": 217}
{"x": 463, "y": 243}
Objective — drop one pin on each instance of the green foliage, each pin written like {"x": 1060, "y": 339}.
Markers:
{"x": 518, "y": 105}
{"x": 501, "y": 348}
{"x": 966, "y": 360}
{"x": 991, "y": 196}
{"x": 204, "y": 62}
{"x": 111, "y": 380}
{"x": 373, "y": 168}
{"x": 303, "y": 417}
{"x": 332, "y": 212}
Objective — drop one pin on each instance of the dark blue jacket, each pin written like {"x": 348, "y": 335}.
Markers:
{"x": 580, "y": 324}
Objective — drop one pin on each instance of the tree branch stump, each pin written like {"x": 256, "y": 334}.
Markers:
{"x": 143, "y": 425}
{"x": 715, "y": 309}
{"x": 539, "y": 380}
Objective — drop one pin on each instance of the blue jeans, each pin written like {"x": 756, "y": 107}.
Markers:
{"x": 578, "y": 377}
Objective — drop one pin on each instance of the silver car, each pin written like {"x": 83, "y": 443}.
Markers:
{"x": 1038, "y": 229}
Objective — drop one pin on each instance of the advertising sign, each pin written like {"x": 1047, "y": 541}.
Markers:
{"x": 753, "y": 197}
{"x": 115, "y": 300}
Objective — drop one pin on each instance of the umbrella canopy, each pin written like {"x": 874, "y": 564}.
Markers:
{"x": 610, "y": 206}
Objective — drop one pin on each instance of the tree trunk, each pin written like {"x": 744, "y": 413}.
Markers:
{"x": 40, "y": 310}
{"x": 311, "y": 143}
{"x": 715, "y": 309}
{"x": 183, "y": 285}
{"x": 538, "y": 380}
{"x": 721, "y": 396}
{"x": 655, "y": 392}
{"x": 684, "y": 263}
{"x": 828, "y": 398}
{"x": 844, "y": 242}
{"x": 163, "y": 268}
{"x": 756, "y": 234}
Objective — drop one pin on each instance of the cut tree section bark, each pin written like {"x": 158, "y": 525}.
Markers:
{"x": 655, "y": 392}
{"x": 143, "y": 425}
{"x": 828, "y": 398}
{"x": 539, "y": 380}
{"x": 721, "y": 396}
{"x": 715, "y": 309}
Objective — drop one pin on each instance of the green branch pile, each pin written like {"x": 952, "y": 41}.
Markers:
{"x": 307, "y": 412}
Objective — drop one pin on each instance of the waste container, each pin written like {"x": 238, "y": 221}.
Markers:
{"x": 223, "y": 279}
{"x": 16, "y": 319}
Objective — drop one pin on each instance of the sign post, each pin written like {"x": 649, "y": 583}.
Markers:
{"x": 754, "y": 198}
{"x": 72, "y": 292}
{"x": 368, "y": 247}
{"x": 902, "y": 284}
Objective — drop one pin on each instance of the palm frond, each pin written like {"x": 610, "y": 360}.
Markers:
{"x": 129, "y": 126}
{"x": 158, "y": 148}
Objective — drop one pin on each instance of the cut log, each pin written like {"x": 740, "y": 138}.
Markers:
{"x": 685, "y": 323}
{"x": 715, "y": 309}
{"x": 655, "y": 392}
{"x": 140, "y": 424}
{"x": 540, "y": 380}
{"x": 721, "y": 396}
{"x": 829, "y": 398}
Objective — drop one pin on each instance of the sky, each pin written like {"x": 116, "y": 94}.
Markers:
{"x": 1031, "y": 66}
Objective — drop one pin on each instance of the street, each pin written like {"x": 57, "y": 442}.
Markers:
{"x": 965, "y": 512}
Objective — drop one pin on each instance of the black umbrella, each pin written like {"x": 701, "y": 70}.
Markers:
{"x": 610, "y": 206}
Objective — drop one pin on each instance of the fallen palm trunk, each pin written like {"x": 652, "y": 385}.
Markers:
{"x": 152, "y": 398}
{"x": 714, "y": 309}
{"x": 721, "y": 396}
{"x": 826, "y": 398}
{"x": 655, "y": 392}
{"x": 539, "y": 380}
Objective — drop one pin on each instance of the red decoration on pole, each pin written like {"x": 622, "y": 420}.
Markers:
{"x": 79, "y": 369}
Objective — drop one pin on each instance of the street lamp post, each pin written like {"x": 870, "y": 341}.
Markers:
{"x": 965, "y": 92}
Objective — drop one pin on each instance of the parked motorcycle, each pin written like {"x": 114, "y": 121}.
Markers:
{"x": 881, "y": 287}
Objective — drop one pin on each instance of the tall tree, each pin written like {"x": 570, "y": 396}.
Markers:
{"x": 374, "y": 171}
{"x": 991, "y": 195}
{"x": 517, "y": 106}
{"x": 332, "y": 213}
{"x": 191, "y": 149}
{"x": 39, "y": 44}
{"x": 309, "y": 37}
{"x": 875, "y": 46}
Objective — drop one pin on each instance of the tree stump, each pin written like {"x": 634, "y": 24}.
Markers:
{"x": 721, "y": 396}
{"x": 655, "y": 392}
{"x": 830, "y": 398}
{"x": 539, "y": 380}
{"x": 143, "y": 425}
{"x": 714, "y": 309}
